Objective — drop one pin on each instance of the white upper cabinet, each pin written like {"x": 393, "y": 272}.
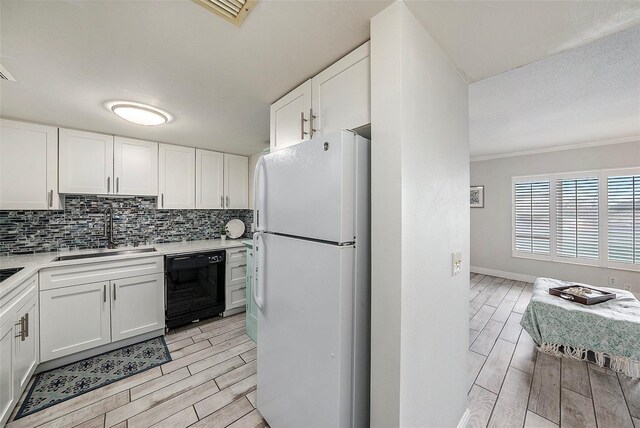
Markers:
{"x": 236, "y": 177}
{"x": 341, "y": 94}
{"x": 28, "y": 166}
{"x": 176, "y": 173}
{"x": 135, "y": 167}
{"x": 337, "y": 98}
{"x": 209, "y": 179}
{"x": 99, "y": 164}
{"x": 86, "y": 163}
{"x": 290, "y": 117}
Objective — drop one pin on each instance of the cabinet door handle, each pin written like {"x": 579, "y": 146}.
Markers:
{"x": 302, "y": 121}
{"x": 221, "y": 201}
{"x": 104, "y": 293}
{"x": 21, "y": 334}
{"x": 26, "y": 324}
{"x": 311, "y": 117}
{"x": 162, "y": 200}
{"x": 114, "y": 291}
{"x": 50, "y": 199}
{"x": 117, "y": 184}
{"x": 108, "y": 184}
{"x": 228, "y": 199}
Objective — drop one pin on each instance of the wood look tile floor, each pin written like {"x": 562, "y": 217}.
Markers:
{"x": 211, "y": 382}
{"x": 511, "y": 384}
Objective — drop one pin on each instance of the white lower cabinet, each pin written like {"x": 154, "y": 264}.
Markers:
{"x": 235, "y": 281}
{"x": 19, "y": 342}
{"x": 74, "y": 319}
{"x": 94, "y": 304}
{"x": 8, "y": 396}
{"x": 137, "y": 306}
{"x": 28, "y": 343}
{"x": 236, "y": 296}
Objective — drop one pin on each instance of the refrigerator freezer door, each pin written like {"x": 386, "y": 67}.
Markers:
{"x": 305, "y": 334}
{"x": 308, "y": 189}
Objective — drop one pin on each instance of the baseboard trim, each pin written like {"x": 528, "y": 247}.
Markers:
{"x": 503, "y": 274}
{"x": 464, "y": 420}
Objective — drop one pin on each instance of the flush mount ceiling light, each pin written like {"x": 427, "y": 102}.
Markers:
{"x": 140, "y": 114}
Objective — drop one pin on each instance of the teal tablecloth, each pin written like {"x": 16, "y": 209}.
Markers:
{"x": 611, "y": 330}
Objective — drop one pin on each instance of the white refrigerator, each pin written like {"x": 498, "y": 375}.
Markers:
{"x": 312, "y": 283}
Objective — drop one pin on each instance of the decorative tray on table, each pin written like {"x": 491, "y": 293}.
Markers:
{"x": 582, "y": 294}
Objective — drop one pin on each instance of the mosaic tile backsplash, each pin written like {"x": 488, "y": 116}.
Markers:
{"x": 81, "y": 225}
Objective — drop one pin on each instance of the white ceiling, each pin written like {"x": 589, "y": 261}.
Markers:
{"x": 70, "y": 57}
{"x": 484, "y": 38}
{"x": 585, "y": 95}
{"x": 217, "y": 80}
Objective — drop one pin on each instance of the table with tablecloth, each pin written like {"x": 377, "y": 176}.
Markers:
{"x": 607, "y": 334}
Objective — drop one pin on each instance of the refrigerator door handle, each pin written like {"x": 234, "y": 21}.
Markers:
{"x": 257, "y": 198}
{"x": 256, "y": 264}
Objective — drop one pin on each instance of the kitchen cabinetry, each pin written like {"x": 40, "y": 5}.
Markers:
{"x": 236, "y": 185}
{"x": 289, "y": 117}
{"x": 19, "y": 342}
{"x": 177, "y": 177}
{"x": 89, "y": 305}
{"x": 28, "y": 166}
{"x": 135, "y": 167}
{"x": 27, "y": 345}
{"x": 137, "y": 306}
{"x": 8, "y": 394}
{"x": 99, "y": 164}
{"x": 252, "y": 310}
{"x": 341, "y": 94}
{"x": 235, "y": 281}
{"x": 221, "y": 180}
{"x": 86, "y": 162}
{"x": 337, "y": 98}
{"x": 209, "y": 179}
{"x": 74, "y": 319}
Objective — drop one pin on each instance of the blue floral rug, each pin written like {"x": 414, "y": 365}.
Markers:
{"x": 64, "y": 383}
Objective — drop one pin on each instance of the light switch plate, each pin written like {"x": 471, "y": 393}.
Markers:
{"x": 456, "y": 263}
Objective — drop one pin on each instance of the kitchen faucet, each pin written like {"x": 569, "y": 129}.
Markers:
{"x": 108, "y": 225}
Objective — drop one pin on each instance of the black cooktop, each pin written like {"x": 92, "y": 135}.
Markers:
{"x": 6, "y": 273}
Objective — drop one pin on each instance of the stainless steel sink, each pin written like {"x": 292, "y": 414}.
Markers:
{"x": 104, "y": 254}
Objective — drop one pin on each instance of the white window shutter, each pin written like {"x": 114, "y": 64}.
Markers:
{"x": 532, "y": 217}
{"x": 623, "y": 219}
{"x": 577, "y": 218}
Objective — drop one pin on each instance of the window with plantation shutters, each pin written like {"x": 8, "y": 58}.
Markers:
{"x": 532, "y": 217}
{"x": 589, "y": 218}
{"x": 577, "y": 220}
{"x": 623, "y": 218}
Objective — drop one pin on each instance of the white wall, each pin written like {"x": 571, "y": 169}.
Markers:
{"x": 491, "y": 226}
{"x": 420, "y": 215}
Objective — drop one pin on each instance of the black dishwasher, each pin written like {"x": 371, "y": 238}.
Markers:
{"x": 194, "y": 287}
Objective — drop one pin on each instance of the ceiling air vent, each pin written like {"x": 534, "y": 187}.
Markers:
{"x": 5, "y": 75}
{"x": 234, "y": 11}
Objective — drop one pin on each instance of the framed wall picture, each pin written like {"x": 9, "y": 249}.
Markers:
{"x": 476, "y": 197}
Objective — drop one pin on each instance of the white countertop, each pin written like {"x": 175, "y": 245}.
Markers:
{"x": 32, "y": 263}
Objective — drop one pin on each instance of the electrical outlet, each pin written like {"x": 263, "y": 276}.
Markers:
{"x": 456, "y": 263}
{"x": 613, "y": 280}
{"x": 626, "y": 287}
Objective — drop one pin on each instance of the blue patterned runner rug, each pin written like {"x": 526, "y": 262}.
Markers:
{"x": 64, "y": 383}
